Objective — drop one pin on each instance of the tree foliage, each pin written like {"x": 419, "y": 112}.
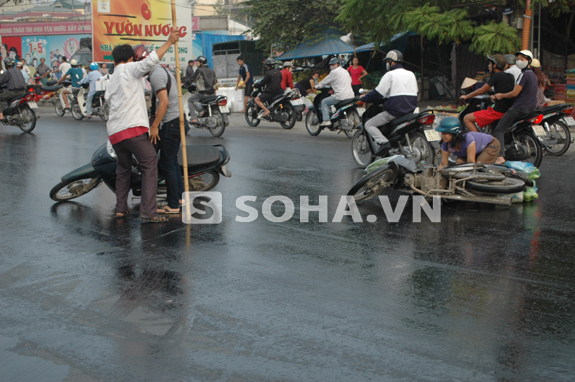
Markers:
{"x": 495, "y": 38}
{"x": 285, "y": 24}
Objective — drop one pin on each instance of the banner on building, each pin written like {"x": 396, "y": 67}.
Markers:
{"x": 140, "y": 22}
{"x": 46, "y": 28}
{"x": 554, "y": 66}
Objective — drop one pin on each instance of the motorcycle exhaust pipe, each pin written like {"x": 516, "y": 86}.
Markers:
{"x": 502, "y": 200}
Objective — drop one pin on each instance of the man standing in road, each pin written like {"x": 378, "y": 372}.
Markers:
{"x": 248, "y": 80}
{"x": 340, "y": 82}
{"x": 43, "y": 70}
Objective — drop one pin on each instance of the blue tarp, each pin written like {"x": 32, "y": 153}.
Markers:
{"x": 208, "y": 41}
{"x": 399, "y": 42}
{"x": 331, "y": 45}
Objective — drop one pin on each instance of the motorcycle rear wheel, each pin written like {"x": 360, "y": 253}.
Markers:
{"x": 360, "y": 149}
{"x": 560, "y": 132}
{"x": 29, "y": 116}
{"x": 76, "y": 112}
{"x": 420, "y": 142}
{"x": 105, "y": 114}
{"x": 252, "y": 115}
{"x": 219, "y": 129}
{"x": 73, "y": 189}
{"x": 528, "y": 139}
{"x": 59, "y": 108}
{"x": 204, "y": 181}
{"x": 370, "y": 185}
{"x": 507, "y": 186}
{"x": 312, "y": 123}
{"x": 352, "y": 119}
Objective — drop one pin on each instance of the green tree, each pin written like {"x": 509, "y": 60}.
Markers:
{"x": 495, "y": 38}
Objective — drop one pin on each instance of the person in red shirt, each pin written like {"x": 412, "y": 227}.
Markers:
{"x": 287, "y": 76}
{"x": 357, "y": 72}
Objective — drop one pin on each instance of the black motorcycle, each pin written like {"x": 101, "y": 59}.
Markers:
{"x": 553, "y": 131}
{"x": 345, "y": 118}
{"x": 214, "y": 113}
{"x": 19, "y": 111}
{"x": 280, "y": 107}
{"x": 407, "y": 136}
{"x": 205, "y": 164}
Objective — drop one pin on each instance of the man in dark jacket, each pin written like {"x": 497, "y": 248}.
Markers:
{"x": 273, "y": 87}
{"x": 14, "y": 81}
{"x": 205, "y": 80}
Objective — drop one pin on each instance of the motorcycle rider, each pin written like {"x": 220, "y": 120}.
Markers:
{"x": 15, "y": 82}
{"x": 91, "y": 78}
{"x": 273, "y": 87}
{"x": 340, "y": 82}
{"x": 471, "y": 147}
{"x": 525, "y": 94}
{"x": 513, "y": 69}
{"x": 399, "y": 86}
{"x": 76, "y": 74}
{"x": 205, "y": 80}
{"x": 502, "y": 83}
{"x": 287, "y": 76}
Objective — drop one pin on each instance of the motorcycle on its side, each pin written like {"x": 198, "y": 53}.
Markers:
{"x": 214, "y": 113}
{"x": 99, "y": 105}
{"x": 19, "y": 111}
{"x": 346, "y": 117}
{"x": 280, "y": 107}
{"x": 472, "y": 182}
{"x": 205, "y": 164}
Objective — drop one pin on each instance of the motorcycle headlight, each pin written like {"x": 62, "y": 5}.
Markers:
{"x": 111, "y": 151}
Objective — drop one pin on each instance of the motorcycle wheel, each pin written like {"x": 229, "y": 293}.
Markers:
{"x": 59, "y": 109}
{"x": 76, "y": 112}
{"x": 290, "y": 123}
{"x": 371, "y": 185}
{"x": 218, "y": 130}
{"x": 252, "y": 115}
{"x": 73, "y": 189}
{"x": 528, "y": 139}
{"x": 105, "y": 114}
{"x": 360, "y": 149}
{"x": 29, "y": 116}
{"x": 312, "y": 123}
{"x": 421, "y": 144}
{"x": 507, "y": 186}
{"x": 204, "y": 182}
{"x": 559, "y": 132}
{"x": 352, "y": 119}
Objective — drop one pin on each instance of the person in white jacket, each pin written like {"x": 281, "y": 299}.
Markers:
{"x": 128, "y": 125}
{"x": 340, "y": 82}
{"x": 399, "y": 86}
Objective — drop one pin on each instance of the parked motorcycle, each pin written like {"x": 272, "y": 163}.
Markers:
{"x": 99, "y": 105}
{"x": 553, "y": 131}
{"x": 346, "y": 117}
{"x": 407, "y": 136}
{"x": 19, "y": 111}
{"x": 214, "y": 113}
{"x": 472, "y": 182}
{"x": 280, "y": 107}
{"x": 205, "y": 164}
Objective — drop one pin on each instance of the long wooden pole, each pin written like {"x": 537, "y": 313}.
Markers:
{"x": 182, "y": 124}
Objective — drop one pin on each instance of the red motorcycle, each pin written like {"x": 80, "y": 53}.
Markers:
{"x": 19, "y": 111}
{"x": 42, "y": 92}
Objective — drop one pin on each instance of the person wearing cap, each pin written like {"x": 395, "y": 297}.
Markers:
{"x": 75, "y": 73}
{"x": 525, "y": 94}
{"x": 20, "y": 66}
{"x": 340, "y": 82}
{"x": 247, "y": 79}
{"x": 287, "y": 76}
{"x": 128, "y": 125}
{"x": 91, "y": 78}
{"x": 472, "y": 147}
{"x": 512, "y": 68}
{"x": 14, "y": 81}
{"x": 399, "y": 86}
{"x": 273, "y": 86}
{"x": 541, "y": 82}
{"x": 501, "y": 82}
{"x": 205, "y": 79}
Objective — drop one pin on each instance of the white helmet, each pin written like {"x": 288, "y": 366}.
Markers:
{"x": 526, "y": 53}
{"x": 74, "y": 63}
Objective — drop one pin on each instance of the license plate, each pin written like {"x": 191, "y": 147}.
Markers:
{"x": 569, "y": 121}
{"x": 539, "y": 130}
{"x": 297, "y": 102}
{"x": 33, "y": 104}
{"x": 224, "y": 109}
{"x": 432, "y": 135}
{"x": 360, "y": 111}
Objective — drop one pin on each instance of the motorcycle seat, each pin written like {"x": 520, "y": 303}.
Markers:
{"x": 405, "y": 118}
{"x": 343, "y": 103}
{"x": 200, "y": 157}
{"x": 20, "y": 97}
{"x": 209, "y": 99}
{"x": 551, "y": 109}
{"x": 277, "y": 97}
{"x": 51, "y": 88}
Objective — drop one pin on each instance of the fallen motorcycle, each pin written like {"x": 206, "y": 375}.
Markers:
{"x": 205, "y": 164}
{"x": 471, "y": 182}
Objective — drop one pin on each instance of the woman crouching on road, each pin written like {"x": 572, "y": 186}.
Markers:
{"x": 469, "y": 147}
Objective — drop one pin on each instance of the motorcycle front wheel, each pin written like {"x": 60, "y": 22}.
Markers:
{"x": 558, "y": 139}
{"x": 290, "y": 123}
{"x": 360, "y": 149}
{"x": 221, "y": 126}
{"x": 73, "y": 189}
{"x": 528, "y": 139}
{"x": 76, "y": 112}
{"x": 59, "y": 108}
{"x": 252, "y": 115}
{"x": 28, "y": 119}
{"x": 373, "y": 183}
{"x": 312, "y": 123}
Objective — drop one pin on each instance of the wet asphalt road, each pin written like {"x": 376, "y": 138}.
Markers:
{"x": 485, "y": 295}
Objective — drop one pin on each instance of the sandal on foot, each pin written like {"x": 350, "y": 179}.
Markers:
{"x": 168, "y": 210}
{"x": 155, "y": 219}
{"x": 121, "y": 215}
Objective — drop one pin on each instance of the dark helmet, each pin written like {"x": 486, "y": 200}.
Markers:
{"x": 449, "y": 125}
{"x": 202, "y": 60}
{"x": 510, "y": 58}
{"x": 498, "y": 60}
{"x": 334, "y": 61}
{"x": 394, "y": 55}
{"x": 8, "y": 62}
{"x": 269, "y": 62}
{"x": 140, "y": 52}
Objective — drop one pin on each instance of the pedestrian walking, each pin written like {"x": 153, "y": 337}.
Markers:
{"x": 247, "y": 78}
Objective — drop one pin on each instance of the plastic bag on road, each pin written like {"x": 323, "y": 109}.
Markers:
{"x": 380, "y": 162}
{"x": 530, "y": 193}
{"x": 532, "y": 171}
